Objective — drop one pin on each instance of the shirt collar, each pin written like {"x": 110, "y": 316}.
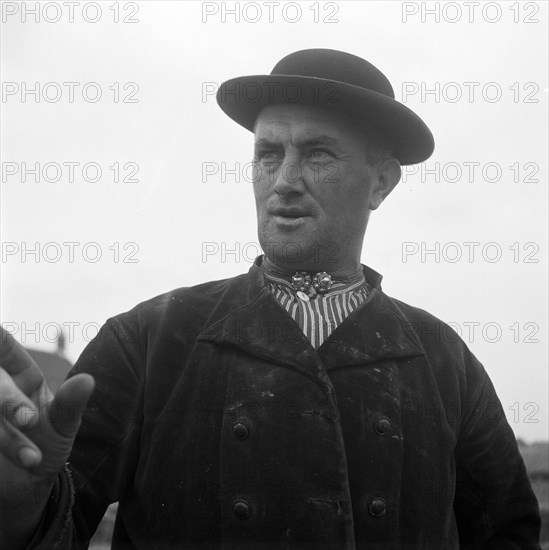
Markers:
{"x": 363, "y": 276}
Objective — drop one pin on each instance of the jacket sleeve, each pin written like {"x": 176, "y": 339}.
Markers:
{"x": 101, "y": 465}
{"x": 494, "y": 504}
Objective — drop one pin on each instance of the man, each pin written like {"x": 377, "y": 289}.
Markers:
{"x": 295, "y": 406}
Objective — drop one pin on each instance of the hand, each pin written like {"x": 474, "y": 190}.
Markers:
{"x": 37, "y": 430}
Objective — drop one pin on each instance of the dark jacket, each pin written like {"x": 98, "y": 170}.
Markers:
{"x": 217, "y": 426}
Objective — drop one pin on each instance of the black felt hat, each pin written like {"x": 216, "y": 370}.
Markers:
{"x": 337, "y": 81}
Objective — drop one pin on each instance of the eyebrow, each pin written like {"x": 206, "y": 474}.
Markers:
{"x": 323, "y": 139}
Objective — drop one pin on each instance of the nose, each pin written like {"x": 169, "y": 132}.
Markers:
{"x": 289, "y": 178}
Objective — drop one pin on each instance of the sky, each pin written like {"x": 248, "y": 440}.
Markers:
{"x": 141, "y": 183}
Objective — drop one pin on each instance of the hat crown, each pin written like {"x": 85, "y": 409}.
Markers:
{"x": 335, "y": 65}
{"x": 334, "y": 80}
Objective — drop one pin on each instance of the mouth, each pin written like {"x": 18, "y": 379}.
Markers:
{"x": 290, "y": 213}
{"x": 289, "y": 220}
{"x": 289, "y": 216}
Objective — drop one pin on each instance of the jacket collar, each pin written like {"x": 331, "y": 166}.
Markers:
{"x": 256, "y": 324}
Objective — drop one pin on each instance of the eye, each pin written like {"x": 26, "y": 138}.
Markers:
{"x": 320, "y": 154}
{"x": 268, "y": 156}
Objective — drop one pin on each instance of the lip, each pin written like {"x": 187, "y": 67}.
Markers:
{"x": 289, "y": 216}
{"x": 289, "y": 220}
{"x": 289, "y": 213}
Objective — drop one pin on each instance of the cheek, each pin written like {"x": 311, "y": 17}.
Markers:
{"x": 346, "y": 211}
{"x": 263, "y": 179}
{"x": 260, "y": 193}
{"x": 348, "y": 194}
{"x": 321, "y": 175}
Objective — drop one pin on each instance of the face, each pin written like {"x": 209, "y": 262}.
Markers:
{"x": 314, "y": 188}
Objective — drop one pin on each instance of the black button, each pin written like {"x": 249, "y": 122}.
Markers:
{"x": 241, "y": 509}
{"x": 382, "y": 425}
{"x": 240, "y": 430}
{"x": 377, "y": 507}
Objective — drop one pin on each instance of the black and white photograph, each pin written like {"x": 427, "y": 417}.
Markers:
{"x": 274, "y": 275}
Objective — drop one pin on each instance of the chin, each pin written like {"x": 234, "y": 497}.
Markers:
{"x": 297, "y": 250}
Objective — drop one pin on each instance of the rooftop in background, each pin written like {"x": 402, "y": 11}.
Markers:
{"x": 536, "y": 458}
{"x": 54, "y": 366}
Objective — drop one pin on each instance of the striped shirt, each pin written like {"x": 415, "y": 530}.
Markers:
{"x": 319, "y": 316}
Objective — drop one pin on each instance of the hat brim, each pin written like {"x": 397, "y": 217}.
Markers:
{"x": 242, "y": 99}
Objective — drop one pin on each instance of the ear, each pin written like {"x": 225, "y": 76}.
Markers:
{"x": 385, "y": 175}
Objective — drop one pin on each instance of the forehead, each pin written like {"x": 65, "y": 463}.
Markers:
{"x": 303, "y": 121}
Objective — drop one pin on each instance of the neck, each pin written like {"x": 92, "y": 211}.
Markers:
{"x": 335, "y": 270}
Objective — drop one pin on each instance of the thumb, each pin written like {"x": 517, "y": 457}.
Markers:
{"x": 65, "y": 411}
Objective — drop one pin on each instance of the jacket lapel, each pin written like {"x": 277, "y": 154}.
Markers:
{"x": 251, "y": 319}
{"x": 376, "y": 331}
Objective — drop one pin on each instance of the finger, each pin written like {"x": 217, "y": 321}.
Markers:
{"x": 65, "y": 411}
{"x": 15, "y": 359}
{"x": 17, "y": 447}
{"x": 17, "y": 408}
